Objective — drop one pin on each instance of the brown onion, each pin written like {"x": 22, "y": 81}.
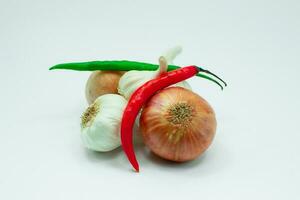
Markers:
{"x": 177, "y": 124}
{"x": 100, "y": 83}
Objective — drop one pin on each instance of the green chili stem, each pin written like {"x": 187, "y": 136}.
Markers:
{"x": 210, "y": 79}
{"x": 213, "y": 74}
{"x": 124, "y": 65}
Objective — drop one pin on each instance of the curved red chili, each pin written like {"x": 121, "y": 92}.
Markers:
{"x": 140, "y": 96}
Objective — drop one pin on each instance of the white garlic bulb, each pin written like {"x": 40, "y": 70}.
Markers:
{"x": 100, "y": 123}
{"x": 132, "y": 80}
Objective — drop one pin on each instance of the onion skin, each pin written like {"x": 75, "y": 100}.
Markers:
{"x": 177, "y": 124}
{"x": 100, "y": 83}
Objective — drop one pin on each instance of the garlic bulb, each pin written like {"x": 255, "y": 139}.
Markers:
{"x": 132, "y": 80}
{"x": 100, "y": 123}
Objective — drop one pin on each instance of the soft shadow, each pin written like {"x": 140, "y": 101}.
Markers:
{"x": 209, "y": 163}
{"x": 214, "y": 160}
{"x": 111, "y": 158}
{"x": 95, "y": 156}
{"x": 115, "y": 158}
{"x": 172, "y": 164}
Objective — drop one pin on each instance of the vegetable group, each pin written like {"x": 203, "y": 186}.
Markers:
{"x": 177, "y": 124}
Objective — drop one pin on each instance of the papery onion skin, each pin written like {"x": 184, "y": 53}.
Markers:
{"x": 100, "y": 83}
{"x": 177, "y": 124}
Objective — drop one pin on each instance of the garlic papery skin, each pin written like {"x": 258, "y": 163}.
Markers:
{"x": 172, "y": 53}
{"x": 100, "y": 123}
{"x": 132, "y": 80}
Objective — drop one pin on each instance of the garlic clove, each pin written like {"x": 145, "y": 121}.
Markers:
{"x": 100, "y": 123}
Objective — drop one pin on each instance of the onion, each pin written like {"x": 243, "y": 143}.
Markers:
{"x": 100, "y": 83}
{"x": 177, "y": 124}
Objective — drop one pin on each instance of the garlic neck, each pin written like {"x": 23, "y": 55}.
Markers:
{"x": 163, "y": 65}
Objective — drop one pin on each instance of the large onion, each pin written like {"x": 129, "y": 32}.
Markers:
{"x": 100, "y": 83}
{"x": 178, "y": 124}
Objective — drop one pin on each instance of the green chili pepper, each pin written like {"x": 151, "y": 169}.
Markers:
{"x": 122, "y": 65}
{"x": 125, "y": 65}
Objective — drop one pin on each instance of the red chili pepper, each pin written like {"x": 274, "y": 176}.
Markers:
{"x": 140, "y": 96}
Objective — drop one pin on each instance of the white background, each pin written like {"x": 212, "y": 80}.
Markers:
{"x": 254, "y": 45}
